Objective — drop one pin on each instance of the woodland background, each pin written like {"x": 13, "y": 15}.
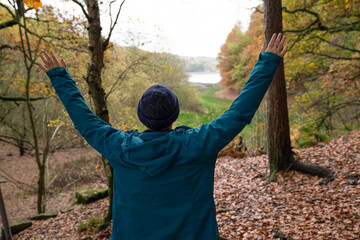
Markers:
{"x": 322, "y": 80}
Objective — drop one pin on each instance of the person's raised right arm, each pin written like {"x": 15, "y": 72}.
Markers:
{"x": 212, "y": 137}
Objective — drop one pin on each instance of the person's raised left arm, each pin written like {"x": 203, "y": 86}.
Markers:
{"x": 99, "y": 134}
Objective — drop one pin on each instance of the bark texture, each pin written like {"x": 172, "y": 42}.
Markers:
{"x": 279, "y": 145}
{"x": 96, "y": 90}
{"x": 97, "y": 49}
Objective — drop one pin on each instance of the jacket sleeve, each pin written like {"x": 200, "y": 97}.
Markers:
{"x": 212, "y": 137}
{"x": 100, "y": 135}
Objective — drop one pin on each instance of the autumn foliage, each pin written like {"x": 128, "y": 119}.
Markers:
{"x": 33, "y": 3}
{"x": 321, "y": 67}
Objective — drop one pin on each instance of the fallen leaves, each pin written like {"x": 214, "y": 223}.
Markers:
{"x": 296, "y": 206}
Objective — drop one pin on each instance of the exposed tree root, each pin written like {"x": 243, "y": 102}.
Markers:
{"x": 222, "y": 238}
{"x": 312, "y": 169}
{"x": 279, "y": 235}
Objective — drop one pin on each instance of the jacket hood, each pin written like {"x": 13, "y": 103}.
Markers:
{"x": 152, "y": 152}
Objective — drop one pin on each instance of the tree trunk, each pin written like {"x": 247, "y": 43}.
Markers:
{"x": 94, "y": 80}
{"x": 280, "y": 153}
{"x": 279, "y": 146}
{"x": 29, "y": 63}
{"x": 96, "y": 42}
{"x": 41, "y": 180}
{"x": 41, "y": 201}
{"x": 21, "y": 148}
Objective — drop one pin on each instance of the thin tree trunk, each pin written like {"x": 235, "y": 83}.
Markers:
{"x": 41, "y": 179}
{"x": 94, "y": 81}
{"x": 27, "y": 52}
{"x": 279, "y": 146}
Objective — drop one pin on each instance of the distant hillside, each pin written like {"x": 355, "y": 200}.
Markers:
{"x": 199, "y": 64}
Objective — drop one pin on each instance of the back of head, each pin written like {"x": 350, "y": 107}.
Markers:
{"x": 158, "y": 107}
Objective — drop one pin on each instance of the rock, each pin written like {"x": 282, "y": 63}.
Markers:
{"x": 43, "y": 216}
{"x": 90, "y": 195}
{"x": 17, "y": 226}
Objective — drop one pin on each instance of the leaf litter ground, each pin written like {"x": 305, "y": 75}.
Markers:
{"x": 295, "y": 206}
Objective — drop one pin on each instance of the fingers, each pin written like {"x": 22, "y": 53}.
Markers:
{"x": 276, "y": 44}
{"x": 281, "y": 44}
{"x": 277, "y": 41}
{"x": 63, "y": 64}
{"x": 42, "y": 67}
{"x": 54, "y": 59}
{"x": 43, "y": 59}
{"x": 284, "y": 51}
{"x": 263, "y": 47}
{"x": 48, "y": 59}
{"x": 50, "y": 62}
{"x": 272, "y": 40}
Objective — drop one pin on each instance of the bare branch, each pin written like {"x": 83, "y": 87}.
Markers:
{"x": 337, "y": 45}
{"x": 16, "y": 182}
{"x": 123, "y": 75}
{"x": 8, "y": 9}
{"x": 15, "y": 139}
{"x": 258, "y": 10}
{"x": 13, "y": 47}
{"x": 14, "y": 99}
{"x": 36, "y": 35}
{"x": 334, "y": 57}
{"x": 335, "y": 108}
{"x": 349, "y": 27}
{"x": 13, "y": 3}
{"x": 301, "y": 10}
{"x": 39, "y": 20}
{"x": 318, "y": 25}
{"x": 82, "y": 8}
{"x": 6, "y": 114}
{"x": 112, "y": 26}
{"x": 9, "y": 23}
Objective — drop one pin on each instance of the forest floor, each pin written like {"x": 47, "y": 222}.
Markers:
{"x": 67, "y": 170}
{"x": 295, "y": 206}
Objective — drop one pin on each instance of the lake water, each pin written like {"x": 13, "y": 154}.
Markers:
{"x": 199, "y": 77}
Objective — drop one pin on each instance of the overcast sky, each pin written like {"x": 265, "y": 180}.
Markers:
{"x": 182, "y": 27}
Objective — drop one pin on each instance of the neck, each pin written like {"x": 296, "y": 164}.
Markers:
{"x": 161, "y": 130}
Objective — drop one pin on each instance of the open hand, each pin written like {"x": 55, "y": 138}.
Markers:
{"x": 276, "y": 45}
{"x": 50, "y": 62}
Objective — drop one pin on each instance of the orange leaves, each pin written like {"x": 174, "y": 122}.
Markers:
{"x": 33, "y": 3}
{"x": 240, "y": 52}
{"x": 296, "y": 205}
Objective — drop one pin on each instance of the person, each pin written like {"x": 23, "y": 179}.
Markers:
{"x": 164, "y": 177}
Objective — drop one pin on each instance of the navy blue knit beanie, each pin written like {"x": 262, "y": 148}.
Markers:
{"x": 158, "y": 107}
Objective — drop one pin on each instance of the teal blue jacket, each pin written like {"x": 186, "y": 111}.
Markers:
{"x": 163, "y": 181}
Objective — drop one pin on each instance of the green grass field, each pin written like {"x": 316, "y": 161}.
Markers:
{"x": 212, "y": 108}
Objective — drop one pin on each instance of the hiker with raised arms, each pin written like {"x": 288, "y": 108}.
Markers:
{"x": 164, "y": 177}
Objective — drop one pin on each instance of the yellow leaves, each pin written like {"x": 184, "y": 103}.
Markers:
{"x": 55, "y": 123}
{"x": 33, "y": 3}
{"x": 98, "y": 167}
